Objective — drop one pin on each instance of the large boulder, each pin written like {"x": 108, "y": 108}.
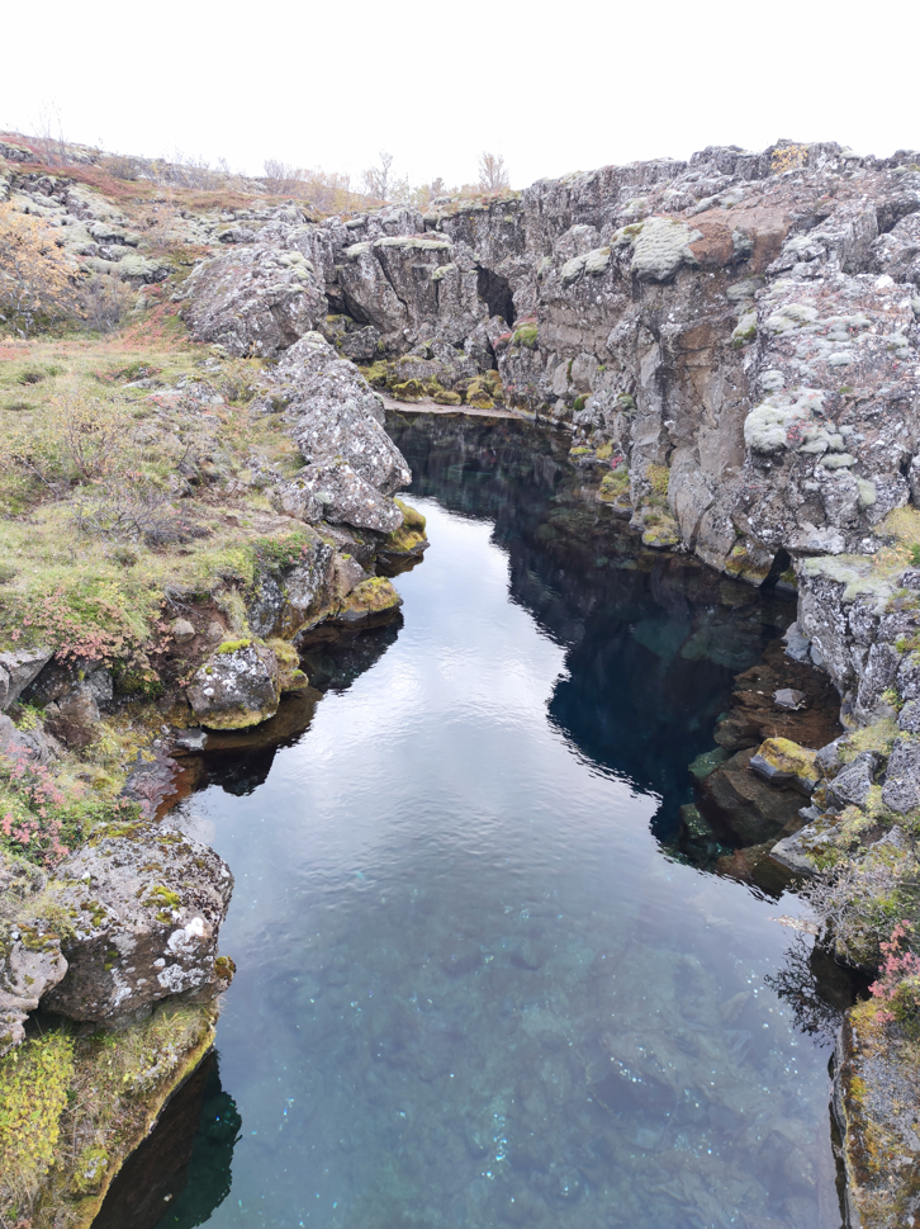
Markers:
{"x": 331, "y": 490}
{"x": 335, "y": 413}
{"x": 239, "y": 685}
{"x": 143, "y": 904}
{"x": 253, "y": 300}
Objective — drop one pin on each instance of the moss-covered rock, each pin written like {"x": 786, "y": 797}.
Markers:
{"x": 409, "y": 538}
{"x": 782, "y": 761}
{"x": 239, "y": 685}
{"x": 446, "y": 396}
{"x": 374, "y": 599}
{"x": 661, "y": 533}
{"x": 408, "y": 390}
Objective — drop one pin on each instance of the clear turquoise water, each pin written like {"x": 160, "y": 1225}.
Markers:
{"x": 474, "y": 987}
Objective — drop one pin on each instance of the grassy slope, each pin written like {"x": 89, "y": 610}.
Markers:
{"x": 111, "y": 493}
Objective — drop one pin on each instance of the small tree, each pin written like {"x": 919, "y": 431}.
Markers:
{"x": 377, "y": 180}
{"x": 37, "y": 284}
{"x": 281, "y": 179}
{"x": 493, "y": 174}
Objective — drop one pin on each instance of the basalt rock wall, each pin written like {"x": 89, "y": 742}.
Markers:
{"x": 733, "y": 341}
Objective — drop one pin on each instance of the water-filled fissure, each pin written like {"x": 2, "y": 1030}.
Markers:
{"x": 478, "y": 984}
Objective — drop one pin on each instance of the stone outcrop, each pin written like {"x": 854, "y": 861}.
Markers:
{"x": 237, "y": 685}
{"x": 141, "y": 905}
{"x": 253, "y": 299}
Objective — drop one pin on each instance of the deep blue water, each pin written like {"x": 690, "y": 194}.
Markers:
{"x": 476, "y": 986}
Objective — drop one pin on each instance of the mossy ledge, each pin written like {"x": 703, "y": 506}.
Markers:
{"x": 80, "y": 1090}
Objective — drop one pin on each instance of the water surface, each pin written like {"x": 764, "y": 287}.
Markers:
{"x": 475, "y": 986}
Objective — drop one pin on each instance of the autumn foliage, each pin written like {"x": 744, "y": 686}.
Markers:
{"x": 37, "y": 283}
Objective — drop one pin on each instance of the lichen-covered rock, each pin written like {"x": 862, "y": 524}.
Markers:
{"x": 17, "y": 670}
{"x": 345, "y": 498}
{"x": 801, "y": 851}
{"x": 239, "y": 685}
{"x": 852, "y": 784}
{"x": 901, "y": 787}
{"x": 31, "y": 961}
{"x": 253, "y": 300}
{"x": 144, "y": 905}
{"x": 334, "y": 413}
{"x": 661, "y": 246}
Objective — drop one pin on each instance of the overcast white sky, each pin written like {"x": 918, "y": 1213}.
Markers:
{"x": 553, "y": 88}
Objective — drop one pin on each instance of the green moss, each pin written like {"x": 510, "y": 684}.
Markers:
{"x": 233, "y": 646}
{"x": 525, "y": 335}
{"x": 879, "y": 737}
{"x": 224, "y": 968}
{"x": 90, "y": 1171}
{"x": 445, "y": 396}
{"x": 658, "y": 477}
{"x": 278, "y": 554}
{"x": 743, "y": 566}
{"x": 479, "y": 399}
{"x": 580, "y": 402}
{"x": 614, "y": 486}
{"x": 786, "y": 756}
{"x": 34, "y": 1079}
{"x": 374, "y": 596}
{"x": 409, "y": 538}
{"x": 662, "y": 535}
{"x": 162, "y": 896}
{"x": 408, "y": 390}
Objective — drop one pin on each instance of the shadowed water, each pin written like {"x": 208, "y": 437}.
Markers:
{"x": 474, "y": 988}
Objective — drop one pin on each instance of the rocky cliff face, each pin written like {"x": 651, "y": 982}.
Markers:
{"x": 743, "y": 336}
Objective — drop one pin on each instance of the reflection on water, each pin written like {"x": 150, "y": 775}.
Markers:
{"x": 472, "y": 989}
{"x": 184, "y": 1164}
{"x": 653, "y": 641}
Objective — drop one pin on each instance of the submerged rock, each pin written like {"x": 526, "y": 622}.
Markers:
{"x": 751, "y": 811}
